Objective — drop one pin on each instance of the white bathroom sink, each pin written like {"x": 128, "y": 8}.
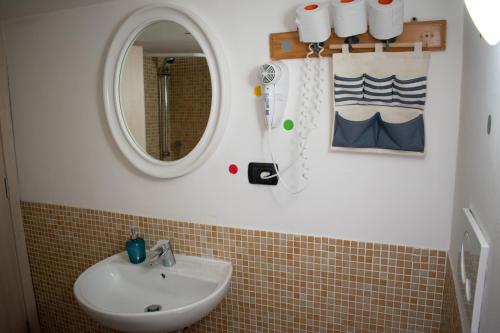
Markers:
{"x": 116, "y": 293}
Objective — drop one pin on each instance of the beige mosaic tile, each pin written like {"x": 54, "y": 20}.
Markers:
{"x": 450, "y": 316}
{"x": 190, "y": 98}
{"x": 281, "y": 282}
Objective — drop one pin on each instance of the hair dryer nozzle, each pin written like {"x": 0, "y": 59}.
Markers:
{"x": 269, "y": 73}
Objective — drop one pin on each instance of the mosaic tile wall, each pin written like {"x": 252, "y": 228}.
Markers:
{"x": 281, "y": 282}
{"x": 450, "y": 316}
{"x": 190, "y": 95}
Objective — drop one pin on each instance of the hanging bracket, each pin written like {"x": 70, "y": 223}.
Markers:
{"x": 432, "y": 35}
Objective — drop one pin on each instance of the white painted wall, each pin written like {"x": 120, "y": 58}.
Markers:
{"x": 478, "y": 177}
{"x": 66, "y": 154}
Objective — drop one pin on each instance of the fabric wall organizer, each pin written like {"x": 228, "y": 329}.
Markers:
{"x": 379, "y": 101}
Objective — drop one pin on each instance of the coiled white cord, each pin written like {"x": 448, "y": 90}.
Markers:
{"x": 309, "y": 109}
{"x": 284, "y": 183}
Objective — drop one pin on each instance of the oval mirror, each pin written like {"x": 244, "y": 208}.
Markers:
{"x": 165, "y": 91}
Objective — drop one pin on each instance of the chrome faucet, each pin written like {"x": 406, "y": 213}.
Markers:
{"x": 163, "y": 252}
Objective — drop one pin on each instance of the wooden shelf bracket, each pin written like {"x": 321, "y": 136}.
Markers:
{"x": 432, "y": 35}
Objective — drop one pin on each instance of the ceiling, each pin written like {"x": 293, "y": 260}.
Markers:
{"x": 164, "y": 37}
{"x": 10, "y": 9}
{"x": 167, "y": 37}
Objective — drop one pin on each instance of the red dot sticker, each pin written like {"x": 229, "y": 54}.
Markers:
{"x": 233, "y": 169}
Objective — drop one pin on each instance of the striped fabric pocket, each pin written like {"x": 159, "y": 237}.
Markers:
{"x": 387, "y": 91}
{"x": 410, "y": 93}
{"x": 378, "y": 91}
{"x": 348, "y": 90}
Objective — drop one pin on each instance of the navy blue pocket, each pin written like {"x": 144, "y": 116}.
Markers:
{"x": 408, "y": 136}
{"x": 377, "y": 133}
{"x": 356, "y": 134}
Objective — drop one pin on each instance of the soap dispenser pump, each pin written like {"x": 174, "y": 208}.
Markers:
{"x": 136, "y": 247}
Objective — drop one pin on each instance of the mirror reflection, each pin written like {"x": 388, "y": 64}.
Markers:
{"x": 165, "y": 91}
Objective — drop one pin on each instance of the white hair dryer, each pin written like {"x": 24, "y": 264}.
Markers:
{"x": 274, "y": 79}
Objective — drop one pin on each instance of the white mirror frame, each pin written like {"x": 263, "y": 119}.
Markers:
{"x": 123, "y": 39}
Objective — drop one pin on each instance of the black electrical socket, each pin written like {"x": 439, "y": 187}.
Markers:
{"x": 255, "y": 171}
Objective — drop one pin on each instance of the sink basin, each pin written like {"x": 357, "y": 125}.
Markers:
{"x": 119, "y": 294}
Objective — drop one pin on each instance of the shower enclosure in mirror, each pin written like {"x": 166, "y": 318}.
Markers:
{"x": 165, "y": 91}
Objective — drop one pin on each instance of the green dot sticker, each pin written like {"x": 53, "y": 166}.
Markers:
{"x": 288, "y": 124}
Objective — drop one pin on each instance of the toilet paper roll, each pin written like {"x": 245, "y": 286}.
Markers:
{"x": 313, "y": 21}
{"x": 349, "y": 17}
{"x": 385, "y": 18}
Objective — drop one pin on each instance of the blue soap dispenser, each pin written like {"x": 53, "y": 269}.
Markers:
{"x": 136, "y": 247}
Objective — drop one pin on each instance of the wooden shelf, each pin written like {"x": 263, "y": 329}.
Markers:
{"x": 432, "y": 35}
